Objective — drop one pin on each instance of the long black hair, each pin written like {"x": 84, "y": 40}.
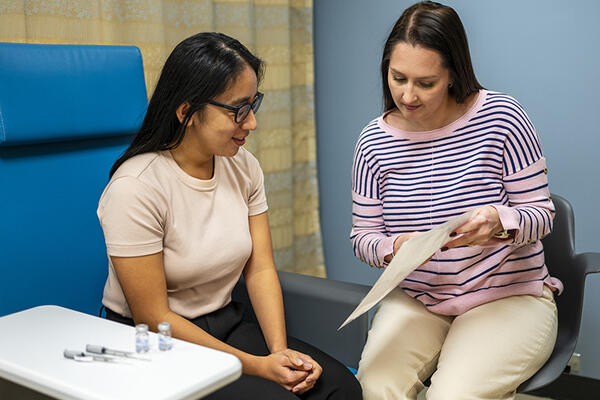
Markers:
{"x": 437, "y": 27}
{"x": 199, "y": 69}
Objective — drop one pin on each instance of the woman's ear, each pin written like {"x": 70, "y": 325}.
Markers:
{"x": 182, "y": 111}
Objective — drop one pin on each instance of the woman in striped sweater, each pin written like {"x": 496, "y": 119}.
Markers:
{"x": 480, "y": 313}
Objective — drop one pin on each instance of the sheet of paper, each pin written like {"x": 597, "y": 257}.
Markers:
{"x": 409, "y": 257}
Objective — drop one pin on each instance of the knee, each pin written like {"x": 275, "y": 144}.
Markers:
{"x": 373, "y": 391}
{"x": 387, "y": 386}
{"x": 340, "y": 384}
{"x": 349, "y": 389}
{"x": 468, "y": 389}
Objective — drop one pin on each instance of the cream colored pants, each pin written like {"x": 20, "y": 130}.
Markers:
{"x": 485, "y": 353}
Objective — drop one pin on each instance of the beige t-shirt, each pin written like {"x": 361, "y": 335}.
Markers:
{"x": 201, "y": 226}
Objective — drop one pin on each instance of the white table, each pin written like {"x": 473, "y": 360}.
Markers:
{"x": 31, "y": 354}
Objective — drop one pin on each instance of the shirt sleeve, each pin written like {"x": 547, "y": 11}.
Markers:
{"x": 530, "y": 211}
{"x": 257, "y": 198}
{"x": 370, "y": 239}
{"x": 131, "y": 218}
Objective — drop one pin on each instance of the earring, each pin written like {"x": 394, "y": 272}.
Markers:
{"x": 450, "y": 84}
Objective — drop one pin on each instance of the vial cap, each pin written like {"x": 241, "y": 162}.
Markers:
{"x": 164, "y": 326}
{"x": 141, "y": 327}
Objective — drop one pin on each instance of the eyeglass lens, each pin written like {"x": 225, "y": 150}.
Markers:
{"x": 245, "y": 110}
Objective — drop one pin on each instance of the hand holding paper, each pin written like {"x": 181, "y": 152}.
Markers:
{"x": 409, "y": 257}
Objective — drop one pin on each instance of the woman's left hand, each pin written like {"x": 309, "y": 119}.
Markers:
{"x": 479, "y": 230}
{"x": 303, "y": 362}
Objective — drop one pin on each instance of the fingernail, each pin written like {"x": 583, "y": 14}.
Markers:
{"x": 452, "y": 234}
{"x": 299, "y": 361}
{"x": 444, "y": 248}
{"x": 307, "y": 365}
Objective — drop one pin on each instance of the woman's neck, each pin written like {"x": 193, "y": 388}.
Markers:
{"x": 194, "y": 163}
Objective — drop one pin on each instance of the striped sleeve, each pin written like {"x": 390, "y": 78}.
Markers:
{"x": 370, "y": 239}
{"x": 530, "y": 210}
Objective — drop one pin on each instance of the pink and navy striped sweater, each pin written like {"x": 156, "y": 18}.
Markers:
{"x": 412, "y": 181}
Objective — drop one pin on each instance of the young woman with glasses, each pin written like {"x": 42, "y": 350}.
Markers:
{"x": 184, "y": 215}
{"x": 480, "y": 314}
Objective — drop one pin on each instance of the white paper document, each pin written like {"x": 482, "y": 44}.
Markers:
{"x": 409, "y": 257}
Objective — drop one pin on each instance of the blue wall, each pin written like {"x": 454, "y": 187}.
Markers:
{"x": 543, "y": 53}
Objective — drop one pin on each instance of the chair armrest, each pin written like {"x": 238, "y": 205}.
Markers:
{"x": 590, "y": 261}
{"x": 315, "y": 308}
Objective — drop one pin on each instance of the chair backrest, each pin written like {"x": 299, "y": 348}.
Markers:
{"x": 559, "y": 251}
{"x": 66, "y": 113}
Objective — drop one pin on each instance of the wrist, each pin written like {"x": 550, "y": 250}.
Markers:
{"x": 278, "y": 343}
{"x": 253, "y": 365}
{"x": 400, "y": 240}
{"x": 277, "y": 349}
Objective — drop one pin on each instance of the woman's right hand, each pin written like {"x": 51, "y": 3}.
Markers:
{"x": 398, "y": 242}
{"x": 278, "y": 367}
{"x": 401, "y": 239}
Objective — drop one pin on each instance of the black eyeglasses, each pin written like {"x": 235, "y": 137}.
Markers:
{"x": 242, "y": 111}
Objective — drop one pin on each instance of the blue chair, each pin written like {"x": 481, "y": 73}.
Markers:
{"x": 66, "y": 113}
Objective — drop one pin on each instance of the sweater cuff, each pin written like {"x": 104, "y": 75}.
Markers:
{"x": 509, "y": 217}
{"x": 385, "y": 247}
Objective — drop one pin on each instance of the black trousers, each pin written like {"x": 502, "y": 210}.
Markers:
{"x": 335, "y": 383}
